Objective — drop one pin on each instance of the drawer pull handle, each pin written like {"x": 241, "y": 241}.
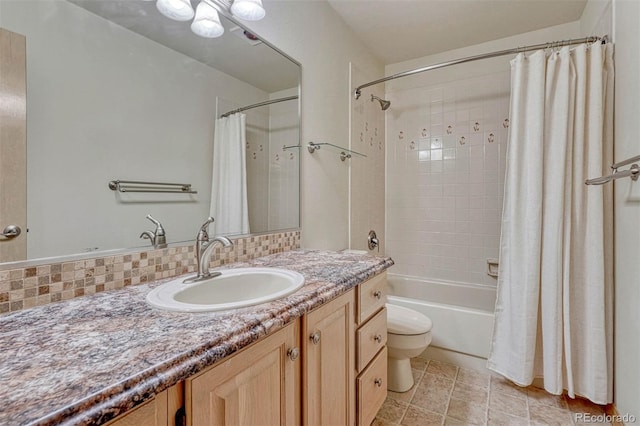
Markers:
{"x": 293, "y": 353}
{"x": 377, "y": 294}
{"x": 315, "y": 337}
{"x": 378, "y": 382}
{"x": 378, "y": 338}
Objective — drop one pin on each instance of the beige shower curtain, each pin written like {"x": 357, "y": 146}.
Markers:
{"x": 229, "y": 206}
{"x": 554, "y": 306}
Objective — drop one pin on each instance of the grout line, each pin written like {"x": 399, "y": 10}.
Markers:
{"x": 446, "y": 409}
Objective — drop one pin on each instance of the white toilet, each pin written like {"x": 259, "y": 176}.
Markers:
{"x": 408, "y": 335}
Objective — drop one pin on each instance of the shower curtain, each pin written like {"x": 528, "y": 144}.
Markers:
{"x": 554, "y": 306}
{"x": 229, "y": 205}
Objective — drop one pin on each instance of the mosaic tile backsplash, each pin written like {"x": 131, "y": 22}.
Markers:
{"x": 39, "y": 285}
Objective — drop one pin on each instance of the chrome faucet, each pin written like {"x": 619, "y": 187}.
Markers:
{"x": 158, "y": 237}
{"x": 204, "y": 247}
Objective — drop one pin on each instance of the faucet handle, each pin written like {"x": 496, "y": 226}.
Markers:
{"x": 203, "y": 235}
{"x": 159, "y": 228}
{"x": 205, "y": 225}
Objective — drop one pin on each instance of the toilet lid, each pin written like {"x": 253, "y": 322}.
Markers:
{"x": 406, "y": 321}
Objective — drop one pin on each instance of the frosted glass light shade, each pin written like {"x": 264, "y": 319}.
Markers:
{"x": 207, "y": 22}
{"x": 249, "y": 10}
{"x": 178, "y": 10}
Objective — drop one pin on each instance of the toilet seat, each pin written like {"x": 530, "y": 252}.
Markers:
{"x": 406, "y": 322}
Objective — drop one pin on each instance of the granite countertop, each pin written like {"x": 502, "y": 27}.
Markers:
{"x": 87, "y": 360}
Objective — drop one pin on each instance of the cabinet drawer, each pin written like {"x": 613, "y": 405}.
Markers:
{"x": 371, "y": 337}
{"x": 372, "y": 388}
{"x": 372, "y": 295}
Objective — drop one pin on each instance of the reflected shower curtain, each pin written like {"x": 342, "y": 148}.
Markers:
{"x": 554, "y": 306}
{"x": 229, "y": 205}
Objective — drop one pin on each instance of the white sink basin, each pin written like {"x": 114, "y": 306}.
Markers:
{"x": 235, "y": 288}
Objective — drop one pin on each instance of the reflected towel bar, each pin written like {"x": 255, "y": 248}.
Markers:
{"x": 159, "y": 187}
{"x": 314, "y": 146}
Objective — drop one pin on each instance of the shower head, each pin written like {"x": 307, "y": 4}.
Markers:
{"x": 383, "y": 104}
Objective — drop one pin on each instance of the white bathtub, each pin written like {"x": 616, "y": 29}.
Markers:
{"x": 462, "y": 314}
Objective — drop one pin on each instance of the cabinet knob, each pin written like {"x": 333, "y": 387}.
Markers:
{"x": 378, "y": 338}
{"x": 377, "y": 294}
{"x": 378, "y": 382}
{"x": 293, "y": 353}
{"x": 315, "y": 337}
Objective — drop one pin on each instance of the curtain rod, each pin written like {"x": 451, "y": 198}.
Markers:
{"x": 516, "y": 50}
{"x": 290, "y": 98}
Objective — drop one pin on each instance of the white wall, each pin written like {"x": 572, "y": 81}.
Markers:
{"x": 312, "y": 33}
{"x": 620, "y": 19}
{"x": 626, "y": 24}
{"x": 87, "y": 82}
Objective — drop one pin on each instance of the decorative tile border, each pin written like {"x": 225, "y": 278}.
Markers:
{"x": 39, "y": 285}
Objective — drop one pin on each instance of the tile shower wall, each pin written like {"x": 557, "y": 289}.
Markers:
{"x": 445, "y": 177}
{"x": 23, "y": 288}
{"x": 366, "y": 174}
{"x": 284, "y": 165}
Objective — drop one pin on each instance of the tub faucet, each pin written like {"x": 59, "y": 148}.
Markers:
{"x": 204, "y": 247}
{"x": 158, "y": 237}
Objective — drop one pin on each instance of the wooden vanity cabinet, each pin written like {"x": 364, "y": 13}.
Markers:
{"x": 329, "y": 363}
{"x": 260, "y": 385}
{"x": 371, "y": 341}
{"x": 160, "y": 411}
{"x": 327, "y": 368}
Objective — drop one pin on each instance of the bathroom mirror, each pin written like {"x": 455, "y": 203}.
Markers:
{"x": 117, "y": 91}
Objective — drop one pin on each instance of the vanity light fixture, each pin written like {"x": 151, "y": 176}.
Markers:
{"x": 178, "y": 10}
{"x": 207, "y": 22}
{"x": 249, "y": 10}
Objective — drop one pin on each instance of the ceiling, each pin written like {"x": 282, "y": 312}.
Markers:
{"x": 398, "y": 30}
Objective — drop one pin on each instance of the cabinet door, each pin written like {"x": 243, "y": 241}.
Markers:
{"x": 258, "y": 386}
{"x": 160, "y": 411}
{"x": 329, "y": 363}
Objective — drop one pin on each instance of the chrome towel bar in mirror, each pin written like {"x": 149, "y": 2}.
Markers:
{"x": 139, "y": 186}
{"x": 344, "y": 154}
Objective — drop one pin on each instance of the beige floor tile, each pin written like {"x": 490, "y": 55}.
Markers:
{"x": 432, "y": 398}
{"x": 468, "y": 412}
{"x": 417, "y": 375}
{"x": 537, "y": 396}
{"x": 450, "y": 421}
{"x": 419, "y": 363}
{"x": 473, "y": 377}
{"x": 418, "y": 417}
{"x": 392, "y": 410}
{"x": 436, "y": 381}
{"x": 504, "y": 386}
{"x": 381, "y": 422}
{"x": 498, "y": 418}
{"x": 581, "y": 405}
{"x": 593, "y": 424}
{"x": 550, "y": 416}
{"x": 402, "y": 396}
{"x": 505, "y": 403}
{"x": 442, "y": 369}
{"x": 470, "y": 393}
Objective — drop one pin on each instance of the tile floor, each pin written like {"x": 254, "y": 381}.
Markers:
{"x": 444, "y": 394}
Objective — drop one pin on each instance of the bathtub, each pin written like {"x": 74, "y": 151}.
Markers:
{"x": 462, "y": 314}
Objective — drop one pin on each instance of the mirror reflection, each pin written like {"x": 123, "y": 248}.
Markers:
{"x": 115, "y": 91}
